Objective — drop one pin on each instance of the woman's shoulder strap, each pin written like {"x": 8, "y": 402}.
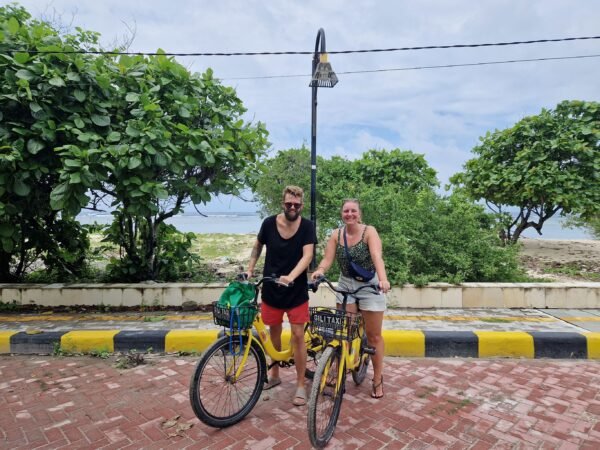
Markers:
{"x": 362, "y": 238}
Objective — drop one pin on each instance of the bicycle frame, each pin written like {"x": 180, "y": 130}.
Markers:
{"x": 264, "y": 339}
{"x": 349, "y": 350}
{"x": 239, "y": 357}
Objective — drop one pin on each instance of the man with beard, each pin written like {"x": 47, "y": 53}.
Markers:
{"x": 290, "y": 241}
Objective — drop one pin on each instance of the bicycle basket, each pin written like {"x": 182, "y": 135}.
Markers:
{"x": 334, "y": 323}
{"x": 234, "y": 317}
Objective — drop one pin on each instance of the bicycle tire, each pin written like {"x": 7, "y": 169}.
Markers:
{"x": 359, "y": 374}
{"x": 217, "y": 401}
{"x": 315, "y": 345}
{"x": 324, "y": 405}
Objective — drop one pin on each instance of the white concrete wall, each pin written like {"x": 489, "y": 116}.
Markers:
{"x": 435, "y": 295}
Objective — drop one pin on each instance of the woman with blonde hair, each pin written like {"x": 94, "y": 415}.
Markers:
{"x": 359, "y": 243}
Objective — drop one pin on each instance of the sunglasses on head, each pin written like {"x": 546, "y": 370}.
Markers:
{"x": 288, "y": 205}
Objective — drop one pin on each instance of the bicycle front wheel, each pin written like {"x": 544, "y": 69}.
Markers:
{"x": 315, "y": 345}
{"x": 218, "y": 397}
{"x": 326, "y": 396}
{"x": 358, "y": 374}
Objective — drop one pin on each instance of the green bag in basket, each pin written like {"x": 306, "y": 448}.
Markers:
{"x": 238, "y": 297}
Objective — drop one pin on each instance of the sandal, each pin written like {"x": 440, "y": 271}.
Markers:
{"x": 375, "y": 386}
{"x": 271, "y": 383}
{"x": 300, "y": 397}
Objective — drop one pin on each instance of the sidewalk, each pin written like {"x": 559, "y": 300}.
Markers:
{"x": 429, "y": 403}
{"x": 529, "y": 333}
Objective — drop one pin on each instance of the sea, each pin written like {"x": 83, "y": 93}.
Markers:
{"x": 249, "y": 223}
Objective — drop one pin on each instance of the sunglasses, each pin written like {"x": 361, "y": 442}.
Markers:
{"x": 289, "y": 205}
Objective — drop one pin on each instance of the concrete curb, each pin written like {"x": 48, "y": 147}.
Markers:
{"x": 409, "y": 343}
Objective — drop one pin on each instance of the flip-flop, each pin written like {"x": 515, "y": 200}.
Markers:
{"x": 272, "y": 383}
{"x": 300, "y": 397}
{"x": 374, "y": 387}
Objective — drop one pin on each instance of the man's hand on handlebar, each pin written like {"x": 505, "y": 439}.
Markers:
{"x": 285, "y": 280}
{"x": 245, "y": 276}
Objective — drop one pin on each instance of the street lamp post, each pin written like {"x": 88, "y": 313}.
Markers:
{"x": 322, "y": 76}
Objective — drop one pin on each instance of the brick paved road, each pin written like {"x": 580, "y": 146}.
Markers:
{"x": 83, "y": 402}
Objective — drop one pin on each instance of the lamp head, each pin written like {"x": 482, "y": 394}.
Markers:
{"x": 324, "y": 75}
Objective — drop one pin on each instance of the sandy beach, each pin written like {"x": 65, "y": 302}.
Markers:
{"x": 562, "y": 256}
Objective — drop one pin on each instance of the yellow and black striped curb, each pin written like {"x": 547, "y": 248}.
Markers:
{"x": 409, "y": 343}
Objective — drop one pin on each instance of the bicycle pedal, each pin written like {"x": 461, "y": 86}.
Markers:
{"x": 369, "y": 350}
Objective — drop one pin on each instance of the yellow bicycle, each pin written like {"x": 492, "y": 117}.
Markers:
{"x": 231, "y": 373}
{"x": 346, "y": 349}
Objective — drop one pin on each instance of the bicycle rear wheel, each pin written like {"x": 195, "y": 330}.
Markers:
{"x": 218, "y": 398}
{"x": 326, "y": 397}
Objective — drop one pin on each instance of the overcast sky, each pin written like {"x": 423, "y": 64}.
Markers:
{"x": 440, "y": 113}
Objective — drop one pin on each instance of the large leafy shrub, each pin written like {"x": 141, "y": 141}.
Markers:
{"x": 42, "y": 99}
{"x": 427, "y": 237}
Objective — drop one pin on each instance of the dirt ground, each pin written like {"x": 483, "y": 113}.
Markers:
{"x": 562, "y": 260}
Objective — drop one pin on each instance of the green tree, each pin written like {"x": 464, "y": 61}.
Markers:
{"x": 39, "y": 112}
{"x": 285, "y": 168}
{"x": 402, "y": 168}
{"x": 165, "y": 139}
{"x": 544, "y": 165}
{"x": 339, "y": 178}
{"x": 418, "y": 228}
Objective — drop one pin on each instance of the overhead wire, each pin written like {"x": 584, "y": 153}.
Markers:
{"x": 264, "y": 53}
{"x": 440, "y": 66}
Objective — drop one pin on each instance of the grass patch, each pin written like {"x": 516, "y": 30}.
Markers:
{"x": 129, "y": 360}
{"x": 426, "y": 392}
{"x": 221, "y": 245}
{"x": 9, "y": 306}
{"x": 102, "y": 354}
{"x": 574, "y": 271}
{"x": 496, "y": 320}
{"x": 458, "y": 405}
{"x": 154, "y": 318}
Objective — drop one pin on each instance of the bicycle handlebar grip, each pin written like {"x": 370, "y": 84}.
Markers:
{"x": 314, "y": 285}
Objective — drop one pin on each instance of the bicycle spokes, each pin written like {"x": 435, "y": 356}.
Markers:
{"x": 225, "y": 386}
{"x": 326, "y": 397}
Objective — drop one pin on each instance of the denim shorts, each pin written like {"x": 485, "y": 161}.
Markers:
{"x": 367, "y": 299}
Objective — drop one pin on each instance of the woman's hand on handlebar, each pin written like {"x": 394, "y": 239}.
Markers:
{"x": 317, "y": 274}
{"x": 384, "y": 286}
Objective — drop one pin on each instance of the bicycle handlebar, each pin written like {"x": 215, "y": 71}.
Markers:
{"x": 314, "y": 285}
{"x": 272, "y": 279}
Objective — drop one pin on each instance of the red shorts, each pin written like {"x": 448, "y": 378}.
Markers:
{"x": 274, "y": 316}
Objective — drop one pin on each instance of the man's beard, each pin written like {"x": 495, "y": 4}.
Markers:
{"x": 292, "y": 216}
